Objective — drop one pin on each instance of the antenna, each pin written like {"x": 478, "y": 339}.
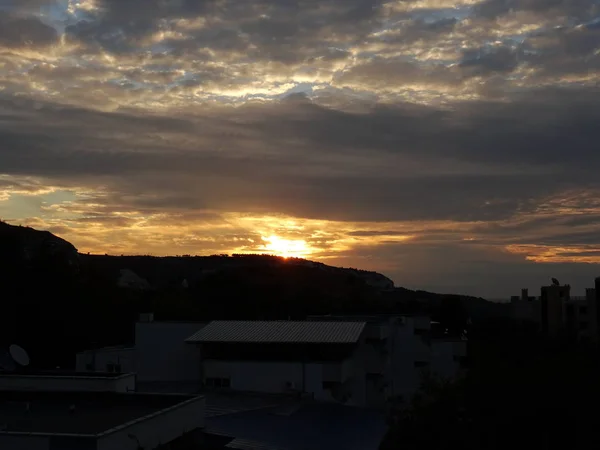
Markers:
{"x": 19, "y": 355}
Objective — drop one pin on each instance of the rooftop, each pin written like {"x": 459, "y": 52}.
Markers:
{"x": 113, "y": 348}
{"x": 93, "y": 413}
{"x": 26, "y": 372}
{"x": 312, "y": 426}
{"x": 279, "y": 332}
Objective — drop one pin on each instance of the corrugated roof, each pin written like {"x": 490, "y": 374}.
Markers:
{"x": 279, "y": 332}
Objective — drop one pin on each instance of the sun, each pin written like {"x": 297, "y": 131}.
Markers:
{"x": 286, "y": 248}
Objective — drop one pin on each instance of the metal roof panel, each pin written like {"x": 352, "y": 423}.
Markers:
{"x": 288, "y": 332}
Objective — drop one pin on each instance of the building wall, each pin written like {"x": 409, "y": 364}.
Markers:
{"x": 283, "y": 377}
{"x": 410, "y": 354}
{"x": 445, "y": 358}
{"x": 399, "y": 349}
{"x": 123, "y": 383}
{"x": 24, "y": 442}
{"x": 553, "y": 299}
{"x": 155, "y": 430}
{"x": 125, "y": 357}
{"x": 162, "y": 355}
{"x": 526, "y": 310}
{"x": 270, "y": 377}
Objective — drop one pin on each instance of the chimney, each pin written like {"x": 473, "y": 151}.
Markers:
{"x": 524, "y": 294}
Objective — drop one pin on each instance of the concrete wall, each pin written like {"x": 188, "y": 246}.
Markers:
{"x": 407, "y": 347}
{"x": 255, "y": 376}
{"x": 151, "y": 431}
{"x": 405, "y": 340}
{"x": 161, "y": 353}
{"x": 122, "y": 383}
{"x": 125, "y": 357}
{"x": 273, "y": 377}
{"x": 24, "y": 442}
{"x": 444, "y": 354}
{"x": 156, "y": 429}
{"x": 526, "y": 310}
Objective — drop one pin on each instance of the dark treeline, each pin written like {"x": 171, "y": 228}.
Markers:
{"x": 520, "y": 390}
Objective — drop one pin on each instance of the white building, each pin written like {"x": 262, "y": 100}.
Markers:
{"x": 37, "y": 420}
{"x": 162, "y": 354}
{"x": 64, "y": 381}
{"x": 120, "y": 359}
{"x": 316, "y": 359}
{"x": 354, "y": 360}
{"x": 398, "y": 349}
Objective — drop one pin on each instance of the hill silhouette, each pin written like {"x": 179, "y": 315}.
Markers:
{"x": 57, "y": 301}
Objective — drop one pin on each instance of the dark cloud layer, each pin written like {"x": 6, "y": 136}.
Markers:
{"x": 18, "y": 32}
{"x": 483, "y": 161}
{"x": 455, "y": 138}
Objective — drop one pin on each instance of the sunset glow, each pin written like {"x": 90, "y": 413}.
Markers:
{"x": 443, "y": 143}
{"x": 286, "y": 248}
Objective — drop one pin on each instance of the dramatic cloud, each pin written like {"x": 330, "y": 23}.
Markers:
{"x": 426, "y": 139}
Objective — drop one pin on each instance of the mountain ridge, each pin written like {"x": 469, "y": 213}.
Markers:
{"x": 95, "y": 299}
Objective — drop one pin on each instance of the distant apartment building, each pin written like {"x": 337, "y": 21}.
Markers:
{"x": 556, "y": 312}
{"x": 351, "y": 360}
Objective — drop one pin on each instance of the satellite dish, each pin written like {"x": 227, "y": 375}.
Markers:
{"x": 19, "y": 355}
{"x": 555, "y": 282}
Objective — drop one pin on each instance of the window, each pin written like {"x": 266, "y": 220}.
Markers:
{"x": 89, "y": 367}
{"x": 118, "y": 368}
{"x": 583, "y": 310}
{"x": 421, "y": 364}
{"x": 420, "y": 331}
{"x": 110, "y": 367}
{"x": 217, "y": 382}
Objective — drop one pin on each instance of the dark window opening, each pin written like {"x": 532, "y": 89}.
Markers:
{"x": 89, "y": 367}
{"x": 583, "y": 310}
{"x": 118, "y": 368}
{"x": 420, "y": 331}
{"x": 110, "y": 367}
{"x": 421, "y": 364}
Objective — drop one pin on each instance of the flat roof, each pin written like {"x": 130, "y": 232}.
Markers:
{"x": 61, "y": 373}
{"x": 112, "y": 348}
{"x": 314, "y": 426}
{"x": 280, "y": 332}
{"x": 94, "y": 412}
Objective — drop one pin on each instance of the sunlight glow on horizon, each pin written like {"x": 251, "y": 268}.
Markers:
{"x": 286, "y": 248}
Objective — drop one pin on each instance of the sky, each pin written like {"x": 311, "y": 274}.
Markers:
{"x": 452, "y": 145}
